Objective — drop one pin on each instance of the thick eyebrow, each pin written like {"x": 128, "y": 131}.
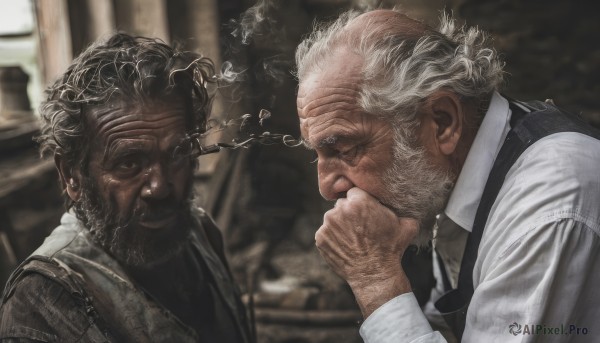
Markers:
{"x": 119, "y": 150}
{"x": 328, "y": 141}
{"x": 323, "y": 142}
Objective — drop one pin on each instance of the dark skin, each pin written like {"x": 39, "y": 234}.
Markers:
{"x": 132, "y": 159}
{"x": 134, "y": 165}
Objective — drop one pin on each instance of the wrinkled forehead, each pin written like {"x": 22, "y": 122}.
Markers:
{"x": 338, "y": 79}
{"x": 100, "y": 115}
{"x": 118, "y": 116}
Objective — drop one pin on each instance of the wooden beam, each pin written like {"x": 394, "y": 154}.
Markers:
{"x": 102, "y": 18}
{"x": 54, "y": 35}
{"x": 143, "y": 17}
{"x": 204, "y": 28}
{"x": 90, "y": 20}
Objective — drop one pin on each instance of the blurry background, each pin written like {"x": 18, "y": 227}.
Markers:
{"x": 264, "y": 198}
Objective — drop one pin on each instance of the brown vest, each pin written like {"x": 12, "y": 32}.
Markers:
{"x": 117, "y": 308}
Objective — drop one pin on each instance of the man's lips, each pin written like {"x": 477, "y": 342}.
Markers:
{"x": 157, "y": 221}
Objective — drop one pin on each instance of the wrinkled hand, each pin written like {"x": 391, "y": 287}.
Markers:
{"x": 363, "y": 242}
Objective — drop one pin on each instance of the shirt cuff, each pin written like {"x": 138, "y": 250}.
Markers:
{"x": 398, "y": 320}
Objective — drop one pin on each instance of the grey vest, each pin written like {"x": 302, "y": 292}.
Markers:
{"x": 69, "y": 257}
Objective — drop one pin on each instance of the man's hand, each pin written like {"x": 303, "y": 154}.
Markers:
{"x": 363, "y": 241}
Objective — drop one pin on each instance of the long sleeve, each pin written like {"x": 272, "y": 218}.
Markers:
{"x": 540, "y": 289}
{"x": 536, "y": 276}
{"x": 399, "y": 320}
{"x": 537, "y": 266}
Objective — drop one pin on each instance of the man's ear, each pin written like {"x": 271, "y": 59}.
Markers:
{"x": 70, "y": 177}
{"x": 447, "y": 114}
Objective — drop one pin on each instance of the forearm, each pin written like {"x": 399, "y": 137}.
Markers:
{"x": 372, "y": 292}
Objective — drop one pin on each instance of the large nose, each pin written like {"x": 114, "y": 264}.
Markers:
{"x": 157, "y": 185}
{"x": 333, "y": 181}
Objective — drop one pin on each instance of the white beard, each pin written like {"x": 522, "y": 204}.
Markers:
{"x": 415, "y": 188}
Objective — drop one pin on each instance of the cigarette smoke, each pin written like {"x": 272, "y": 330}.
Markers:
{"x": 229, "y": 75}
{"x": 256, "y": 21}
{"x": 259, "y": 59}
{"x": 258, "y": 49}
{"x": 260, "y": 33}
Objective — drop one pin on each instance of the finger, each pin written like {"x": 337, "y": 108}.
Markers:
{"x": 330, "y": 247}
{"x": 332, "y": 234}
{"x": 319, "y": 237}
{"x": 329, "y": 216}
{"x": 335, "y": 265}
{"x": 340, "y": 202}
{"x": 359, "y": 200}
{"x": 325, "y": 238}
{"x": 357, "y": 193}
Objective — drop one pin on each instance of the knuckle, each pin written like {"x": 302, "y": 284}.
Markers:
{"x": 320, "y": 236}
{"x": 327, "y": 217}
{"x": 355, "y": 207}
{"x": 357, "y": 193}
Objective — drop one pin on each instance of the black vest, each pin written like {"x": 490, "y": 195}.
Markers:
{"x": 527, "y": 128}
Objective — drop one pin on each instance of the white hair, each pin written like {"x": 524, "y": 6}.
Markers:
{"x": 403, "y": 66}
{"x": 400, "y": 72}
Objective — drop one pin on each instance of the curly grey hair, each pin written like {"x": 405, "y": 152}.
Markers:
{"x": 136, "y": 70}
{"x": 405, "y": 65}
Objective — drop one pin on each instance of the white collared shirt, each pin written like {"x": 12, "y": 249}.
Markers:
{"x": 536, "y": 276}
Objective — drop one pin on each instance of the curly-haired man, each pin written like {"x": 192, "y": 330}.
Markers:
{"x": 408, "y": 125}
{"x": 133, "y": 260}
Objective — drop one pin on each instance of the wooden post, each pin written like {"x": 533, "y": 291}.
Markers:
{"x": 54, "y": 38}
{"x": 90, "y": 20}
{"x": 102, "y": 18}
{"x": 204, "y": 28}
{"x": 143, "y": 18}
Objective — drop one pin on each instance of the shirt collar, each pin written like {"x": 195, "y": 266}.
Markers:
{"x": 466, "y": 195}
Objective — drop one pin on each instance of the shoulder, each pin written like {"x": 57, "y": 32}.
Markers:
{"x": 68, "y": 235}
{"x": 39, "y": 308}
{"x": 562, "y": 155}
{"x": 556, "y": 178}
{"x": 551, "y": 194}
{"x": 44, "y": 301}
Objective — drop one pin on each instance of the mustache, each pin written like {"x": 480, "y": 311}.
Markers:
{"x": 158, "y": 211}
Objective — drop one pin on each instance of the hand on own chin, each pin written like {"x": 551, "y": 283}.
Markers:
{"x": 362, "y": 240}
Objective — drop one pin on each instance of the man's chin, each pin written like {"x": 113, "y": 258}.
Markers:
{"x": 151, "y": 260}
{"x": 144, "y": 244}
{"x": 150, "y": 254}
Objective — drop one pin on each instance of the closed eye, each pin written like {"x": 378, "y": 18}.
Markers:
{"x": 349, "y": 154}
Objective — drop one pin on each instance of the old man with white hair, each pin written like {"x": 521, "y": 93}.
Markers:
{"x": 414, "y": 143}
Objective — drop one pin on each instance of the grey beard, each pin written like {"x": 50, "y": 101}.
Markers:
{"x": 130, "y": 245}
{"x": 416, "y": 189}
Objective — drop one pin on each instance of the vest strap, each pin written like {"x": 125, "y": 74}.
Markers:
{"x": 543, "y": 120}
